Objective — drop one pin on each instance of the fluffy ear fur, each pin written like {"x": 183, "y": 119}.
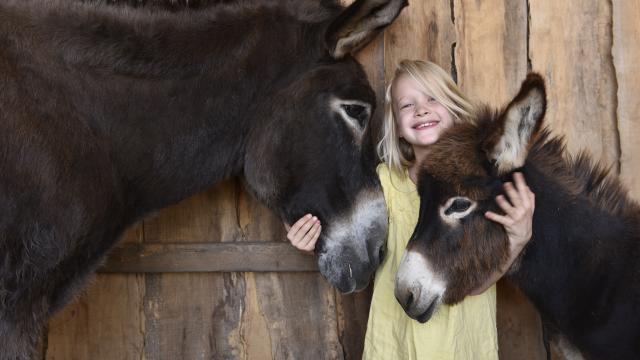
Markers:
{"x": 508, "y": 147}
{"x": 359, "y": 23}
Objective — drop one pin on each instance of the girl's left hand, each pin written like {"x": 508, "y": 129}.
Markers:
{"x": 518, "y": 218}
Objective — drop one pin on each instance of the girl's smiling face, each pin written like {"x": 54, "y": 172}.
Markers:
{"x": 420, "y": 118}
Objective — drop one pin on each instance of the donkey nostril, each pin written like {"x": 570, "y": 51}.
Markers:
{"x": 381, "y": 254}
{"x": 409, "y": 300}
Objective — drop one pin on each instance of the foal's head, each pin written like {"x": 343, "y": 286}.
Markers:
{"x": 454, "y": 248}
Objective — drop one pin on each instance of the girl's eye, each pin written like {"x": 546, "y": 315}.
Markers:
{"x": 430, "y": 99}
{"x": 405, "y": 106}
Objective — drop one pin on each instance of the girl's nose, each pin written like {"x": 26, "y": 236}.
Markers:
{"x": 422, "y": 112}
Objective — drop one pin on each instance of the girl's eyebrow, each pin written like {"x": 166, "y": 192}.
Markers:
{"x": 400, "y": 99}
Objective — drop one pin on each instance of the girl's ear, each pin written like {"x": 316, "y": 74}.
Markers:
{"x": 508, "y": 146}
{"x": 359, "y": 23}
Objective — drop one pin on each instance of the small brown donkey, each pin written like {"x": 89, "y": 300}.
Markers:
{"x": 581, "y": 267}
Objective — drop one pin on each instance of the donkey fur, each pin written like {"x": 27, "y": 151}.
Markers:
{"x": 108, "y": 113}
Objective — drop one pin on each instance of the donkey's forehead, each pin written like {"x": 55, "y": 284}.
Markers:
{"x": 456, "y": 156}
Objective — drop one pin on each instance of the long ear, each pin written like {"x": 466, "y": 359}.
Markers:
{"x": 521, "y": 120}
{"x": 359, "y": 23}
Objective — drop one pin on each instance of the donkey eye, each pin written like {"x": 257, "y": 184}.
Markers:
{"x": 358, "y": 112}
{"x": 459, "y": 205}
{"x": 457, "y": 208}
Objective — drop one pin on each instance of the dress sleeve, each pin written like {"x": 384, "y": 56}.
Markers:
{"x": 385, "y": 179}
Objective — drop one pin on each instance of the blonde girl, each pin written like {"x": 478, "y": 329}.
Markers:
{"x": 421, "y": 102}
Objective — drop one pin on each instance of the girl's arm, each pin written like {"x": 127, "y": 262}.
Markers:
{"x": 304, "y": 233}
{"x": 517, "y": 221}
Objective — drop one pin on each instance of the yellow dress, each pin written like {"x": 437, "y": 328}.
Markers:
{"x": 464, "y": 331}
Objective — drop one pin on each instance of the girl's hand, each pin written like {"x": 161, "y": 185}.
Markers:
{"x": 517, "y": 221}
{"x": 304, "y": 233}
{"x": 518, "y": 218}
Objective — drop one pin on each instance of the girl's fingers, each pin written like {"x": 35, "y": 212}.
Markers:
{"x": 300, "y": 228}
{"x": 523, "y": 189}
{"x": 298, "y": 224}
{"x": 514, "y": 196}
{"x": 504, "y": 204}
{"x": 309, "y": 242}
{"x": 500, "y": 219}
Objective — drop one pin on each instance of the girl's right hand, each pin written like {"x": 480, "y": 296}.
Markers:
{"x": 304, "y": 233}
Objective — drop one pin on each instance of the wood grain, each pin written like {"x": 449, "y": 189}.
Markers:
{"x": 626, "y": 60}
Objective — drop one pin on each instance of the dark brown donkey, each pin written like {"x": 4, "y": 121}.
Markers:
{"x": 109, "y": 113}
{"x": 581, "y": 267}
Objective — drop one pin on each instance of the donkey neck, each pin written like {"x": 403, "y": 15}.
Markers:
{"x": 170, "y": 97}
{"x": 579, "y": 242}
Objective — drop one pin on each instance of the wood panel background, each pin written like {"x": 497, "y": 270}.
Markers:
{"x": 213, "y": 278}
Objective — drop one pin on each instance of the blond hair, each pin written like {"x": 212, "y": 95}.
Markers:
{"x": 397, "y": 152}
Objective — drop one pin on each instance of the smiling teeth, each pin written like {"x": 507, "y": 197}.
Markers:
{"x": 420, "y": 126}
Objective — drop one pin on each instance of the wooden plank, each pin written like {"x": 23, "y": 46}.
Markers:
{"x": 570, "y": 45}
{"x": 301, "y": 312}
{"x": 287, "y": 301}
{"x": 353, "y": 314}
{"x": 626, "y": 59}
{"x": 491, "y": 51}
{"x": 208, "y": 257}
{"x": 195, "y": 315}
{"x": 424, "y": 31}
{"x": 105, "y": 322}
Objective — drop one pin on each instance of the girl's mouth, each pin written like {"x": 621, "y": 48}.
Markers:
{"x": 425, "y": 125}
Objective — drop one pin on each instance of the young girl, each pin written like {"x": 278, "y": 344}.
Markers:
{"x": 421, "y": 102}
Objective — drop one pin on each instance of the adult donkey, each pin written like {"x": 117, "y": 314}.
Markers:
{"x": 109, "y": 113}
{"x": 580, "y": 268}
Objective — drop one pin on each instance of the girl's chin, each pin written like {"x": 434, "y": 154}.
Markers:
{"x": 426, "y": 140}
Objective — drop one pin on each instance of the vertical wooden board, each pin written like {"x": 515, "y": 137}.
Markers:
{"x": 300, "y": 311}
{"x": 626, "y": 59}
{"x": 209, "y": 216}
{"x": 570, "y": 45}
{"x": 519, "y": 326}
{"x": 491, "y": 51}
{"x": 105, "y": 321}
{"x": 424, "y": 30}
{"x": 287, "y": 303}
{"x": 195, "y": 316}
{"x": 353, "y": 314}
{"x": 256, "y": 222}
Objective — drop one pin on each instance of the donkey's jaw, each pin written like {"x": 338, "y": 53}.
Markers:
{"x": 351, "y": 249}
{"x": 418, "y": 289}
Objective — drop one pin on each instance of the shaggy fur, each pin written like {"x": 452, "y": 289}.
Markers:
{"x": 580, "y": 269}
{"x": 108, "y": 113}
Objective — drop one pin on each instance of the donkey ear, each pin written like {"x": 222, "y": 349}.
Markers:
{"x": 521, "y": 120}
{"x": 359, "y": 23}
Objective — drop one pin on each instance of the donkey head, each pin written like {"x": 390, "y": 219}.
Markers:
{"x": 312, "y": 136}
{"x": 454, "y": 248}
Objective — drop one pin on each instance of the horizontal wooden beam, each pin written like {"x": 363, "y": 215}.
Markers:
{"x": 258, "y": 256}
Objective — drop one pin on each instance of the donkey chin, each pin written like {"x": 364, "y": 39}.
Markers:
{"x": 418, "y": 289}
{"x": 353, "y": 246}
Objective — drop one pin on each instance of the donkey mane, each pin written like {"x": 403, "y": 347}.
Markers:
{"x": 581, "y": 175}
{"x": 99, "y": 36}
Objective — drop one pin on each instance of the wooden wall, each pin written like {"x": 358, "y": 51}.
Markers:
{"x": 212, "y": 277}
